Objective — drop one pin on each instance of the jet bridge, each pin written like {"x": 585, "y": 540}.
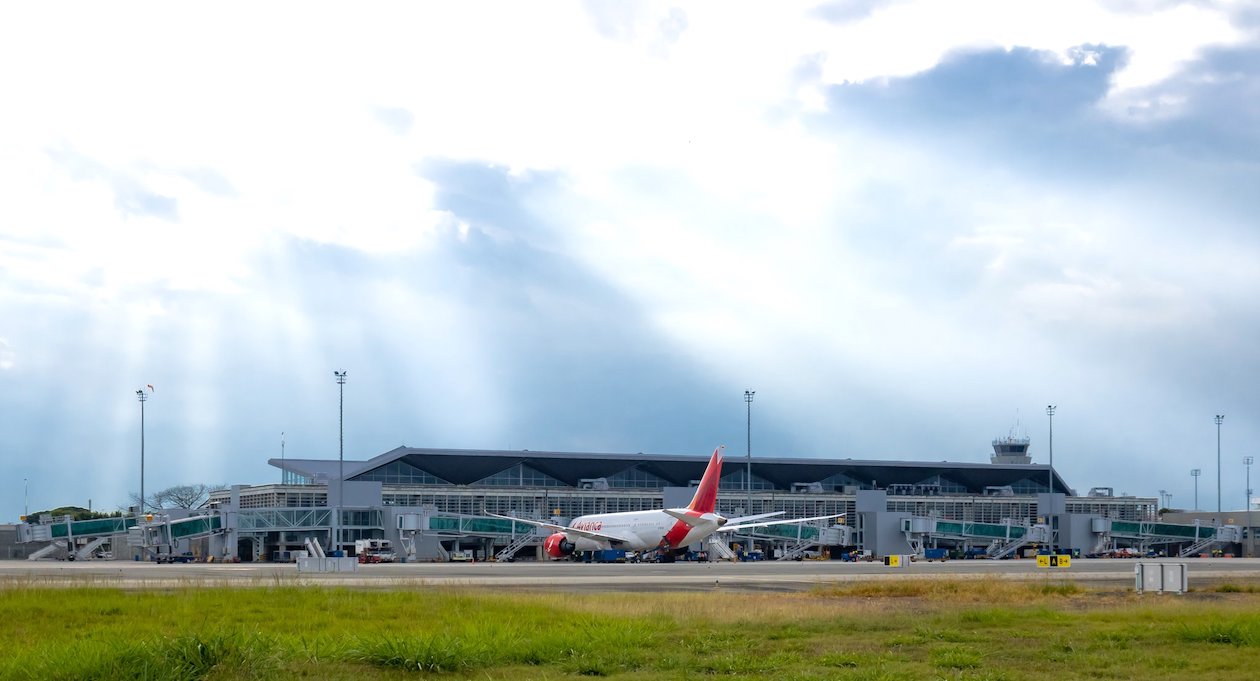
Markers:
{"x": 797, "y": 538}
{"x": 1000, "y": 540}
{"x": 1193, "y": 539}
{"x": 432, "y": 528}
{"x": 80, "y": 539}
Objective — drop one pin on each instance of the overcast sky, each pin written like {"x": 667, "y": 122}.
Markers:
{"x": 591, "y": 226}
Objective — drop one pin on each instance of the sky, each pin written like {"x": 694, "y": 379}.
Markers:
{"x": 909, "y": 226}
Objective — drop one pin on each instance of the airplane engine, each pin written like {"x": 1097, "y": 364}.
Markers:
{"x": 558, "y": 546}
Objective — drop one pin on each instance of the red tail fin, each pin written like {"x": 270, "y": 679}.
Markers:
{"x": 705, "y": 499}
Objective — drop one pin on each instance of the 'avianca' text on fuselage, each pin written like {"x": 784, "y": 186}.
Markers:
{"x": 661, "y": 530}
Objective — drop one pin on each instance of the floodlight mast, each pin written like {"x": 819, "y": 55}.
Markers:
{"x": 1050, "y": 483}
{"x": 748, "y": 399}
{"x": 341, "y": 446}
{"x": 1247, "y": 461}
{"x": 1219, "y": 419}
{"x": 142, "y": 397}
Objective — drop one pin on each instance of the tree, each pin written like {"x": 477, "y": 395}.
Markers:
{"x": 186, "y": 496}
{"x": 179, "y": 496}
{"x": 75, "y": 512}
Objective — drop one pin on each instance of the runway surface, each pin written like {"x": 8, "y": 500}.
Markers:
{"x": 567, "y": 576}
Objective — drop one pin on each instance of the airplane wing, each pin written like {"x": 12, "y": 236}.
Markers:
{"x": 747, "y": 518}
{"x": 732, "y": 528}
{"x": 692, "y": 520}
{"x": 589, "y": 534}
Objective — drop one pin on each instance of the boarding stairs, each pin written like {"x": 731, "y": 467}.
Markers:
{"x": 999, "y": 549}
{"x": 88, "y": 550}
{"x": 797, "y": 550}
{"x": 718, "y": 548}
{"x": 1223, "y": 535}
{"x": 1197, "y": 547}
{"x": 1035, "y": 534}
{"x": 314, "y": 548}
{"x": 45, "y": 552}
{"x": 508, "y": 552}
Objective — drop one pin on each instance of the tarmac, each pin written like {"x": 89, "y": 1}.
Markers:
{"x": 570, "y": 576}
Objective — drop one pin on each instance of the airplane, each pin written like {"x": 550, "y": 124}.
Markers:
{"x": 661, "y": 531}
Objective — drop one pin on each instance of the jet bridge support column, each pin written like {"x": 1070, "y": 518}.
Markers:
{"x": 881, "y": 529}
{"x": 1050, "y": 510}
{"x": 1076, "y": 533}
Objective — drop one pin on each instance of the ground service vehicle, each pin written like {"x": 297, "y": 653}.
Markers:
{"x": 374, "y": 550}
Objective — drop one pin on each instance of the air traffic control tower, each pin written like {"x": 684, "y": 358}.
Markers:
{"x": 1011, "y": 450}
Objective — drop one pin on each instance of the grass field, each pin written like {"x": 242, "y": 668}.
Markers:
{"x": 869, "y": 630}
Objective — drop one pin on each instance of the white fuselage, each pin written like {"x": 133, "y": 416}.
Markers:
{"x": 641, "y": 530}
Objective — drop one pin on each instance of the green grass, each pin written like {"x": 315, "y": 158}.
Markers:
{"x": 914, "y": 629}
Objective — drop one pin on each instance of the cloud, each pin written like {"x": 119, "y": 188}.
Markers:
{"x": 1021, "y": 108}
{"x": 131, "y": 197}
{"x": 594, "y": 228}
{"x": 973, "y": 88}
{"x": 210, "y": 181}
{"x": 845, "y": 11}
{"x": 1210, "y": 111}
{"x": 7, "y": 356}
{"x": 615, "y": 20}
{"x": 398, "y": 120}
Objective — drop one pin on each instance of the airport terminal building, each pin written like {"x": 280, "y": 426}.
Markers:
{"x": 569, "y": 484}
{"x": 438, "y": 504}
{"x": 443, "y": 496}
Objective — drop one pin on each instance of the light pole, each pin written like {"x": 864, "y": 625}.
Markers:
{"x": 1247, "y": 461}
{"x": 1194, "y": 473}
{"x": 282, "y": 471}
{"x": 142, "y": 397}
{"x": 1162, "y": 494}
{"x": 341, "y": 438}
{"x": 1050, "y": 484}
{"x": 748, "y": 398}
{"x": 26, "y": 497}
{"x": 1219, "y": 419}
{"x": 340, "y": 453}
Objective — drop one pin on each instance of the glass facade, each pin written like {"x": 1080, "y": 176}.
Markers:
{"x": 400, "y": 473}
{"x": 1027, "y": 486}
{"x": 635, "y": 478}
{"x": 520, "y": 475}
{"x": 733, "y": 482}
{"x": 839, "y": 482}
{"x": 943, "y": 484}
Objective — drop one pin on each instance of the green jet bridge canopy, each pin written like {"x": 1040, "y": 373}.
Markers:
{"x": 182, "y": 528}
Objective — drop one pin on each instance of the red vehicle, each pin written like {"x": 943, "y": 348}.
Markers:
{"x": 374, "y": 551}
